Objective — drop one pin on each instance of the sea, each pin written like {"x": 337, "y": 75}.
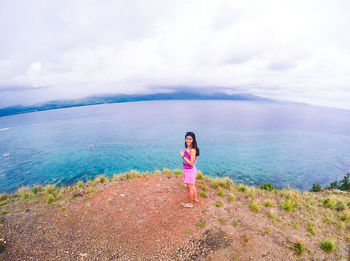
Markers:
{"x": 289, "y": 145}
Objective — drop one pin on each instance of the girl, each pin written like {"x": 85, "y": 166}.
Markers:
{"x": 189, "y": 157}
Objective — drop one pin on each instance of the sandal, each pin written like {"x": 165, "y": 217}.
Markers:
{"x": 196, "y": 200}
{"x": 187, "y": 205}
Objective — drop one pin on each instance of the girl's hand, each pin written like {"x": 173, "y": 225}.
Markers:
{"x": 182, "y": 153}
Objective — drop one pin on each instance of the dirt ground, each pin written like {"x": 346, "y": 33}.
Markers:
{"x": 142, "y": 219}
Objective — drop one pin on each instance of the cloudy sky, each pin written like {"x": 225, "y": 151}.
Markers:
{"x": 290, "y": 50}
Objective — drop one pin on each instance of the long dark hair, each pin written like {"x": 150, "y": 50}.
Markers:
{"x": 194, "y": 142}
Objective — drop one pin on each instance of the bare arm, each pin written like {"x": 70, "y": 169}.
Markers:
{"x": 193, "y": 157}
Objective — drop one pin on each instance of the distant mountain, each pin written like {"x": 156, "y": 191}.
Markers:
{"x": 117, "y": 98}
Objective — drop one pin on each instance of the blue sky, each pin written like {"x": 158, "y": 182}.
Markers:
{"x": 290, "y": 50}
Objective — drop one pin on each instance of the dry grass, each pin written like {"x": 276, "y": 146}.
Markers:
{"x": 318, "y": 220}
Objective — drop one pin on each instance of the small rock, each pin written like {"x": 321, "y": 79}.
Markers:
{"x": 122, "y": 195}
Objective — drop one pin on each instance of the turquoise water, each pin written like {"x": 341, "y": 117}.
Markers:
{"x": 252, "y": 142}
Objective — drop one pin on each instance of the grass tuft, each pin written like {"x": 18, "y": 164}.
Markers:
{"x": 289, "y": 204}
{"x": 267, "y": 186}
{"x": 50, "y": 189}
{"x": 267, "y": 203}
{"x": 199, "y": 175}
{"x": 328, "y": 203}
{"x": 24, "y": 193}
{"x": 203, "y": 194}
{"x": 4, "y": 196}
{"x": 219, "y": 204}
{"x": 256, "y": 207}
{"x": 231, "y": 198}
{"x": 201, "y": 223}
{"x": 339, "y": 206}
{"x": 80, "y": 184}
{"x": 166, "y": 171}
{"x": 299, "y": 248}
{"x": 203, "y": 187}
{"x": 178, "y": 172}
{"x": 311, "y": 228}
{"x": 101, "y": 179}
{"x": 37, "y": 189}
{"x": 327, "y": 246}
{"x": 221, "y": 192}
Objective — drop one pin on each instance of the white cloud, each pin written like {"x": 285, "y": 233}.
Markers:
{"x": 296, "y": 50}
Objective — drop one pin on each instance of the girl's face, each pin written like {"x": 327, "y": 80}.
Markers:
{"x": 189, "y": 140}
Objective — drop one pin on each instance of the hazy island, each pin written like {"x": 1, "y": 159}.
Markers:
{"x": 139, "y": 216}
{"x": 118, "y": 98}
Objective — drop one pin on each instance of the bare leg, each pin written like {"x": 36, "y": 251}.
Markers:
{"x": 195, "y": 193}
{"x": 190, "y": 193}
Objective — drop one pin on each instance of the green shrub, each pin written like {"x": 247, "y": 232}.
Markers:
{"x": 221, "y": 192}
{"x": 255, "y": 207}
{"x": 343, "y": 184}
{"x": 101, "y": 179}
{"x": 271, "y": 215}
{"x": 316, "y": 187}
{"x": 311, "y": 229}
{"x": 4, "y": 196}
{"x": 226, "y": 182}
{"x": 24, "y": 193}
{"x": 199, "y": 175}
{"x": 231, "y": 198}
{"x": 235, "y": 223}
{"x": 51, "y": 198}
{"x": 245, "y": 238}
{"x": 215, "y": 184}
{"x": 80, "y": 184}
{"x": 204, "y": 187}
{"x": 157, "y": 172}
{"x": 201, "y": 223}
{"x": 203, "y": 194}
{"x": 90, "y": 190}
{"x": 4, "y": 212}
{"x": 345, "y": 216}
{"x": 267, "y": 203}
{"x": 327, "y": 246}
{"x": 219, "y": 204}
{"x": 242, "y": 188}
{"x": 298, "y": 248}
{"x": 267, "y": 186}
{"x": 289, "y": 204}
{"x": 50, "y": 189}
{"x": 166, "y": 171}
{"x": 178, "y": 172}
{"x": 37, "y": 189}
{"x": 327, "y": 203}
{"x": 339, "y": 206}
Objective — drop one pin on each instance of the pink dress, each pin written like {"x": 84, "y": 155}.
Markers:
{"x": 190, "y": 172}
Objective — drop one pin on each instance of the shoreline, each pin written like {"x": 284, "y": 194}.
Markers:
{"x": 141, "y": 173}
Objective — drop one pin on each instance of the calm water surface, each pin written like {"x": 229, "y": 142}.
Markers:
{"x": 252, "y": 142}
